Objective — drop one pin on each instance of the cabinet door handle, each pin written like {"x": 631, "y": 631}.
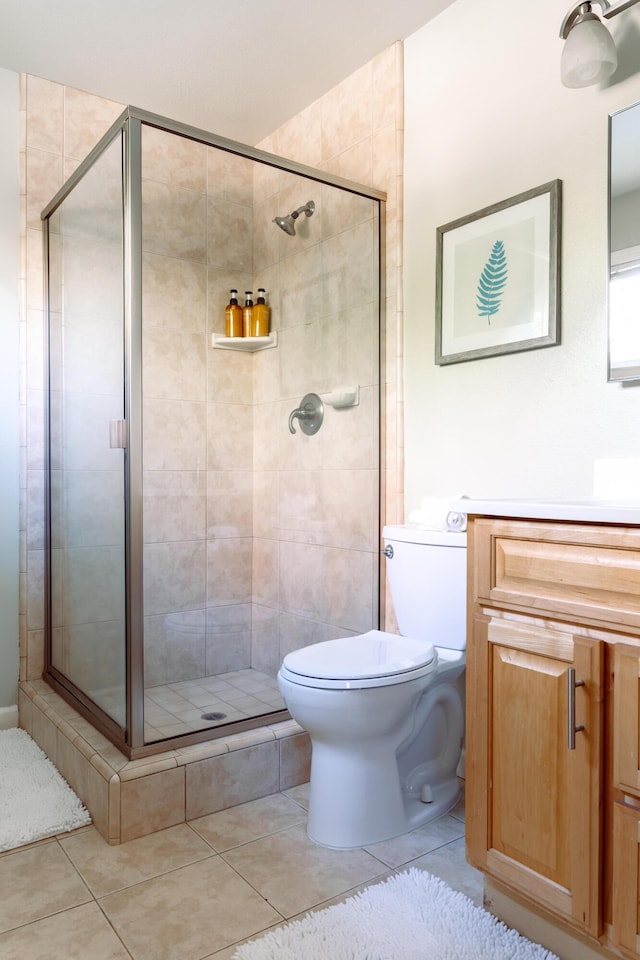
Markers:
{"x": 572, "y": 683}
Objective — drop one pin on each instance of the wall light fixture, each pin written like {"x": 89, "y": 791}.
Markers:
{"x": 589, "y": 53}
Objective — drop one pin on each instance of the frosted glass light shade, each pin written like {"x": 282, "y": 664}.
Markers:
{"x": 589, "y": 55}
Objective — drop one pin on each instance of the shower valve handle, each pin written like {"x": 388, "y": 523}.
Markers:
{"x": 310, "y": 414}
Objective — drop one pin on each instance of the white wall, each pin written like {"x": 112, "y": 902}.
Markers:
{"x": 486, "y": 117}
{"x": 9, "y": 232}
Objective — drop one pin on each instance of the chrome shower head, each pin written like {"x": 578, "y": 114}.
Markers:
{"x": 288, "y": 224}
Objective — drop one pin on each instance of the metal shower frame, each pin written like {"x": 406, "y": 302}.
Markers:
{"x": 130, "y": 739}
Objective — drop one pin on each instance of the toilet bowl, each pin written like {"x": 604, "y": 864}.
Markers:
{"x": 385, "y": 712}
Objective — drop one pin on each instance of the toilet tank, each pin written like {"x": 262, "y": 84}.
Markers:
{"x": 427, "y": 577}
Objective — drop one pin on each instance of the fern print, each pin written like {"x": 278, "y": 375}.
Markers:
{"x": 492, "y": 282}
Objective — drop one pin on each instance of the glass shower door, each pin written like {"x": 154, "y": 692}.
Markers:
{"x": 87, "y": 437}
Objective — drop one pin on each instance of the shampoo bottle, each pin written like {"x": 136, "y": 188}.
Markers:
{"x": 247, "y": 314}
{"x": 233, "y": 317}
{"x": 260, "y": 325}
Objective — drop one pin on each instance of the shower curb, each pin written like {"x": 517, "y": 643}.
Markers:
{"x": 133, "y": 798}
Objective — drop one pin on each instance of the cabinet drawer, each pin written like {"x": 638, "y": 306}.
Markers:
{"x": 586, "y": 571}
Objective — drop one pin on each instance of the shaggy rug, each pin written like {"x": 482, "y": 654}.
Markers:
{"x": 35, "y": 801}
{"x": 411, "y": 916}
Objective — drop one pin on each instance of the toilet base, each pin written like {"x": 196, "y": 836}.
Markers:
{"x": 339, "y": 826}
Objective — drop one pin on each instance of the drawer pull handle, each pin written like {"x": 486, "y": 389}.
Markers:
{"x": 572, "y": 683}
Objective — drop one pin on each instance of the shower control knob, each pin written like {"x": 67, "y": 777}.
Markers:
{"x": 388, "y": 552}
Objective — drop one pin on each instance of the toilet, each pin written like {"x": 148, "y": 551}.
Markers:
{"x": 385, "y": 712}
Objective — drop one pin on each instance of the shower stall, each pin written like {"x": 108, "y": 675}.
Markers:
{"x": 193, "y": 537}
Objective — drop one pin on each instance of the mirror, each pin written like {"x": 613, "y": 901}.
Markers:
{"x": 624, "y": 244}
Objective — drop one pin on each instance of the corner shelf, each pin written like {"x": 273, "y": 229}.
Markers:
{"x": 245, "y": 344}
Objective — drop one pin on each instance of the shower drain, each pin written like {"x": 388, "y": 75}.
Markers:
{"x": 214, "y": 716}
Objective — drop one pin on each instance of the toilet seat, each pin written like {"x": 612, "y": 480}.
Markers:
{"x": 373, "y": 659}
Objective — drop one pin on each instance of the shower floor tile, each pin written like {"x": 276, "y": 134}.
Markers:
{"x": 176, "y": 708}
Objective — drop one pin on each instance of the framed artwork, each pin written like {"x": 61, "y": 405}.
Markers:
{"x": 498, "y": 278}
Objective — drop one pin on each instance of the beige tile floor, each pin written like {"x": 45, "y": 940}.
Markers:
{"x": 198, "y": 889}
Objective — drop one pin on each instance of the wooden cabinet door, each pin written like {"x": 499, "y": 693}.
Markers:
{"x": 625, "y": 857}
{"x": 626, "y": 716}
{"x": 626, "y": 866}
{"x": 533, "y": 819}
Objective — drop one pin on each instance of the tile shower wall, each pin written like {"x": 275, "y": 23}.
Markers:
{"x": 315, "y": 497}
{"x": 354, "y": 131}
{"x": 197, "y": 243}
{"x": 313, "y": 526}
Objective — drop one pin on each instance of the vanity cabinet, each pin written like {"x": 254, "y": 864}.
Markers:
{"x": 553, "y": 720}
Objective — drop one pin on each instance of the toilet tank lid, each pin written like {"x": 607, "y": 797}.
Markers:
{"x": 413, "y": 533}
{"x": 372, "y": 654}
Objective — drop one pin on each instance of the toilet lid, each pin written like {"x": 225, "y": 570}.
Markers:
{"x": 370, "y": 656}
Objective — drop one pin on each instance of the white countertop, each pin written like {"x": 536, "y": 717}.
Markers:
{"x": 589, "y": 511}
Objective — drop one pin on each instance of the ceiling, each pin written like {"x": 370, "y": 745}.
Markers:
{"x": 237, "y": 68}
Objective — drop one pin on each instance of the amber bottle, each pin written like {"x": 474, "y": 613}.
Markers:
{"x": 233, "y": 317}
{"x": 247, "y": 314}
{"x": 261, "y": 311}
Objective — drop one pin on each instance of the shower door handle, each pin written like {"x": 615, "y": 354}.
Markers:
{"x": 118, "y": 434}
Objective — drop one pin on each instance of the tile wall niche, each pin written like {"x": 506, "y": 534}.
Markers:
{"x": 354, "y": 131}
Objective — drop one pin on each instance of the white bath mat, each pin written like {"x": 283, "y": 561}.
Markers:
{"x": 35, "y": 801}
{"x": 411, "y": 916}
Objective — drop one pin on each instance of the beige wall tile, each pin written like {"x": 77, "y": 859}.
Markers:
{"x": 35, "y": 653}
{"x": 295, "y": 761}
{"x": 152, "y": 803}
{"x": 97, "y": 801}
{"x": 44, "y": 115}
{"x": 174, "y": 646}
{"x": 173, "y": 159}
{"x": 229, "y": 504}
{"x": 173, "y": 364}
{"x": 300, "y": 138}
{"x": 229, "y": 440}
{"x": 229, "y": 228}
{"x": 174, "y": 293}
{"x": 265, "y": 639}
{"x": 173, "y": 222}
{"x": 174, "y": 435}
{"x": 25, "y": 711}
{"x": 229, "y": 376}
{"x": 174, "y": 576}
{"x": 229, "y": 176}
{"x": 265, "y": 572}
{"x": 347, "y": 113}
{"x": 228, "y": 638}
{"x": 386, "y": 83}
{"x": 72, "y": 765}
{"x": 174, "y": 505}
{"x": 44, "y": 733}
{"x": 224, "y": 781}
{"x": 337, "y": 584}
{"x": 86, "y": 119}
{"x": 228, "y": 571}
{"x": 44, "y": 179}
